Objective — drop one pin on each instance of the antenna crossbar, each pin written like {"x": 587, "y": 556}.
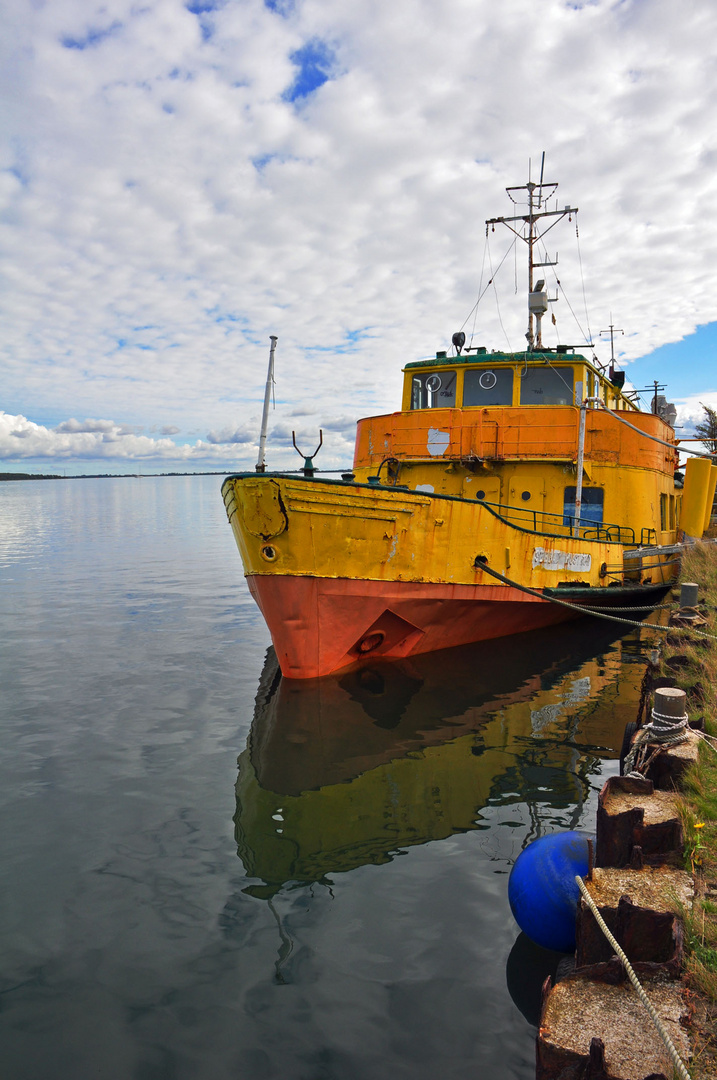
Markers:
{"x": 537, "y": 300}
{"x": 533, "y": 217}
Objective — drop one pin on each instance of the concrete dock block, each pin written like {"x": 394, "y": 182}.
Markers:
{"x": 632, "y": 814}
{"x": 599, "y": 1031}
{"x": 642, "y": 910}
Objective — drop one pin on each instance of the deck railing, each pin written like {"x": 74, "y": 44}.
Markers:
{"x": 562, "y": 524}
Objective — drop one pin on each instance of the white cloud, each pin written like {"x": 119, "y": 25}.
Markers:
{"x": 231, "y": 435}
{"x": 690, "y": 411}
{"x": 22, "y": 441}
{"x": 20, "y": 438}
{"x": 74, "y": 427}
{"x": 165, "y": 207}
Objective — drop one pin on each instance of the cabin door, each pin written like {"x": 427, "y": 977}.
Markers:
{"x": 526, "y": 496}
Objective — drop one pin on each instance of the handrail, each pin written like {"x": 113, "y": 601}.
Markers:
{"x": 298, "y": 475}
{"x": 602, "y": 530}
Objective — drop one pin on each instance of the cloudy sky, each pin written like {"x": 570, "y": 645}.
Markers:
{"x": 179, "y": 180}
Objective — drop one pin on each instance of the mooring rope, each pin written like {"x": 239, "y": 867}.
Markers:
{"x": 653, "y": 438}
{"x": 661, "y": 1030}
{"x": 662, "y": 731}
{"x": 484, "y": 568}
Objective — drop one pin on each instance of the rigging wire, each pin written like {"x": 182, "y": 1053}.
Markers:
{"x": 551, "y": 267}
{"x": 497, "y": 303}
{"x": 474, "y": 310}
{"x": 515, "y": 267}
{"x": 588, "y": 340}
{"x": 548, "y": 360}
{"x": 587, "y": 335}
{"x": 482, "y": 294}
{"x": 582, "y": 279}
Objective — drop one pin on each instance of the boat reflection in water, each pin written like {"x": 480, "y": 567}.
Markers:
{"x": 347, "y": 770}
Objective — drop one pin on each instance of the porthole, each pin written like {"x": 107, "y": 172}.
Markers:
{"x": 525, "y": 496}
{"x": 480, "y": 494}
{"x": 371, "y": 641}
{"x": 269, "y": 553}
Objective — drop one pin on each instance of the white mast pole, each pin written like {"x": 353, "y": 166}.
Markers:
{"x": 579, "y": 463}
{"x": 261, "y": 464}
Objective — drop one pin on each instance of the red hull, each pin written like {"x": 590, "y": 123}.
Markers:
{"x": 319, "y": 625}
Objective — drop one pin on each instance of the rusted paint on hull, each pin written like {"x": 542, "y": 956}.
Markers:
{"x": 320, "y": 625}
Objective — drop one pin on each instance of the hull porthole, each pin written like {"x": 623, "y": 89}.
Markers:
{"x": 371, "y": 642}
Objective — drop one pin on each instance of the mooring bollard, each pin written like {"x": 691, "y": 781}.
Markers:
{"x": 667, "y": 727}
{"x": 670, "y": 705}
{"x": 689, "y": 592}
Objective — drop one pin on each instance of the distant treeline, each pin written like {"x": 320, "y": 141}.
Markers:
{"x": 27, "y": 476}
{"x": 104, "y": 476}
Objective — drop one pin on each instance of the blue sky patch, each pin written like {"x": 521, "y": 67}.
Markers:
{"x": 281, "y": 7}
{"x": 351, "y": 339}
{"x": 354, "y": 337}
{"x": 201, "y": 7}
{"x": 315, "y": 62}
{"x": 261, "y": 162}
{"x": 685, "y": 367}
{"x": 19, "y": 175}
{"x": 93, "y": 36}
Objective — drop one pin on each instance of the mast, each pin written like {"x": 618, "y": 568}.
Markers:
{"x": 261, "y": 463}
{"x": 530, "y": 232}
{"x": 612, "y": 331}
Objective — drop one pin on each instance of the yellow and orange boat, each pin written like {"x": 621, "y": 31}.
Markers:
{"x": 509, "y": 492}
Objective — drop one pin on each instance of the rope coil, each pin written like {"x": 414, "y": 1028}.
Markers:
{"x": 674, "y": 720}
{"x": 662, "y": 731}
{"x": 661, "y": 1030}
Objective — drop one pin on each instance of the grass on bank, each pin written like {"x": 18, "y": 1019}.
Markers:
{"x": 691, "y": 662}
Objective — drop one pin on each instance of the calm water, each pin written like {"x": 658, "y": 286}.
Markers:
{"x": 333, "y": 907}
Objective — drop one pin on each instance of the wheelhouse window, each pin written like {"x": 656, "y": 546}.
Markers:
{"x": 547, "y": 386}
{"x": 436, "y": 390}
{"x": 590, "y": 508}
{"x": 490, "y": 386}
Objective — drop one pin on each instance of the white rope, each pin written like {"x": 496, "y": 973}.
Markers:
{"x": 662, "y": 1031}
{"x": 708, "y": 740}
{"x": 662, "y": 731}
{"x": 674, "y": 720}
{"x": 592, "y": 611}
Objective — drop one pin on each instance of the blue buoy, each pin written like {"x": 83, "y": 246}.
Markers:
{"x": 542, "y": 890}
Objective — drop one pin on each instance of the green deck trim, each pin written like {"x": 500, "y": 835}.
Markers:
{"x": 386, "y": 489}
{"x": 466, "y": 359}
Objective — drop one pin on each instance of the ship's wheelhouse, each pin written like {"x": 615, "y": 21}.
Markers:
{"x": 521, "y": 379}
